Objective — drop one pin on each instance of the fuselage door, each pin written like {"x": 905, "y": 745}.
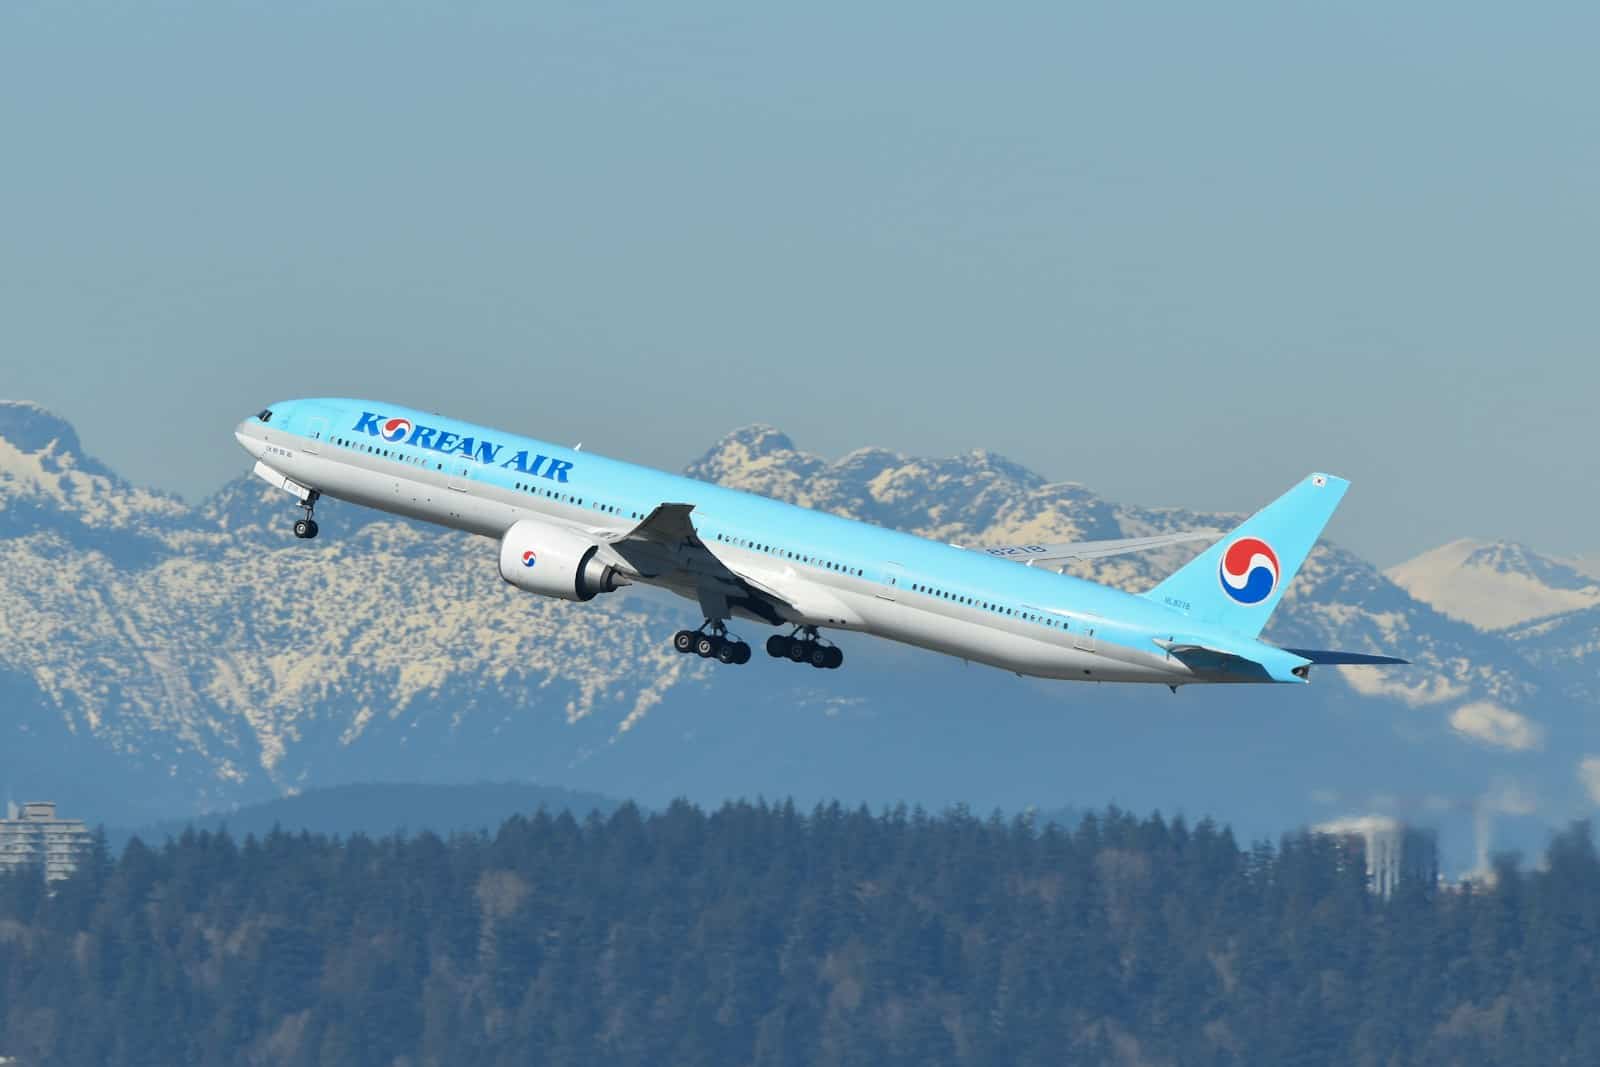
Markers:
{"x": 889, "y": 589}
{"x": 456, "y": 472}
{"x": 316, "y": 430}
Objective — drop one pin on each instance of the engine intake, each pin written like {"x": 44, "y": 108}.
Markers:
{"x": 552, "y": 561}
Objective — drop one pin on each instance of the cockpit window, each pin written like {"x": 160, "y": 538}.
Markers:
{"x": 265, "y": 415}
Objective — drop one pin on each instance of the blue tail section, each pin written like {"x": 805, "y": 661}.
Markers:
{"x": 1237, "y": 582}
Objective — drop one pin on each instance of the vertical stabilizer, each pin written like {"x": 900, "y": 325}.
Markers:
{"x": 1237, "y": 582}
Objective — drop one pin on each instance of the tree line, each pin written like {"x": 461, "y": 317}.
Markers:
{"x": 765, "y": 935}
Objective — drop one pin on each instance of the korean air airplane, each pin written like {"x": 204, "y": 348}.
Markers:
{"x": 575, "y": 525}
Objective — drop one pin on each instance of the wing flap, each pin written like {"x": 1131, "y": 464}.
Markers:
{"x": 805, "y": 600}
{"x": 666, "y": 547}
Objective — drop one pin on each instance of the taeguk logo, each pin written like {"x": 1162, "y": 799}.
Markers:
{"x": 1249, "y": 570}
{"x": 529, "y": 559}
{"x": 396, "y": 429}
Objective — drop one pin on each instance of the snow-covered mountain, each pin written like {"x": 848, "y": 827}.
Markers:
{"x": 1495, "y": 584}
{"x": 1568, "y": 648}
{"x": 157, "y": 658}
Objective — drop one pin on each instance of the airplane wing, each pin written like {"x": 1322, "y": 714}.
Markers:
{"x": 665, "y": 547}
{"x": 1069, "y": 551}
{"x": 668, "y": 525}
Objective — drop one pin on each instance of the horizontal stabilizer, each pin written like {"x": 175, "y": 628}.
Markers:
{"x": 1345, "y": 659}
{"x": 1211, "y": 659}
{"x": 1177, "y": 647}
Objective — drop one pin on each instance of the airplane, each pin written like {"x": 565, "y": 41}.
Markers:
{"x": 574, "y": 525}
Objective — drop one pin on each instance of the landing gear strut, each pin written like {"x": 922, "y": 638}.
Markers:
{"x": 305, "y": 529}
{"x": 715, "y": 644}
{"x": 805, "y": 645}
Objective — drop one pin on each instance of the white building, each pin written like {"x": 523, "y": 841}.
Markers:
{"x": 34, "y": 836}
{"x": 1386, "y": 843}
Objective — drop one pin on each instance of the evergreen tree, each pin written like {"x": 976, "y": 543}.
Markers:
{"x": 760, "y": 934}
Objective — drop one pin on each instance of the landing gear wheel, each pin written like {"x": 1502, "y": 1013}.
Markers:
{"x": 712, "y": 641}
{"x": 306, "y": 528}
{"x": 806, "y": 645}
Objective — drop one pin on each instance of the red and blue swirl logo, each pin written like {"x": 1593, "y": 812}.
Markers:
{"x": 529, "y": 559}
{"x": 1249, "y": 570}
{"x": 395, "y": 430}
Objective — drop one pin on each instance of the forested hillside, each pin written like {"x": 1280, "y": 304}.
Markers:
{"x": 765, "y": 935}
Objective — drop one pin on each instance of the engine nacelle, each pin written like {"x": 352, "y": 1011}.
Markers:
{"x": 551, "y": 561}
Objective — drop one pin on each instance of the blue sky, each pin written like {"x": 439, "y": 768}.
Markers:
{"x": 1180, "y": 254}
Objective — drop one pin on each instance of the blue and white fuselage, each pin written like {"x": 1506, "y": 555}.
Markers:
{"x": 574, "y": 524}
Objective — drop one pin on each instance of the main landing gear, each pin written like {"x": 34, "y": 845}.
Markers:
{"x": 305, "y": 529}
{"x": 713, "y": 645}
{"x": 806, "y": 646}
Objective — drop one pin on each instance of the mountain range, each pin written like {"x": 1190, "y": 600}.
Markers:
{"x": 159, "y": 659}
{"x": 1496, "y": 585}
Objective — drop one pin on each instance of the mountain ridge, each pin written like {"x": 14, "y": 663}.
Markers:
{"x": 1495, "y": 585}
{"x": 224, "y": 662}
{"x": 380, "y": 809}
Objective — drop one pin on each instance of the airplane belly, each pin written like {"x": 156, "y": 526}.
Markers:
{"x": 408, "y": 497}
{"x": 998, "y": 647}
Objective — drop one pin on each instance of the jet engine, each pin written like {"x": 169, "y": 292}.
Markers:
{"x": 551, "y": 561}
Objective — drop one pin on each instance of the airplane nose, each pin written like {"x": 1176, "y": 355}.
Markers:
{"x": 245, "y": 434}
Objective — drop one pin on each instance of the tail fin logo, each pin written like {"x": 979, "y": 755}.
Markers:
{"x": 1249, "y": 571}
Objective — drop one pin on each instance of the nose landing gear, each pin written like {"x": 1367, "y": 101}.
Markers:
{"x": 805, "y": 645}
{"x": 716, "y": 644}
{"x": 305, "y": 529}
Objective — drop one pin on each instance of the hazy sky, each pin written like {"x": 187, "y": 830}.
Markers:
{"x": 1181, "y": 253}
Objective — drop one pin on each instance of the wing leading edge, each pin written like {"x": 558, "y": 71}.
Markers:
{"x": 1069, "y": 551}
